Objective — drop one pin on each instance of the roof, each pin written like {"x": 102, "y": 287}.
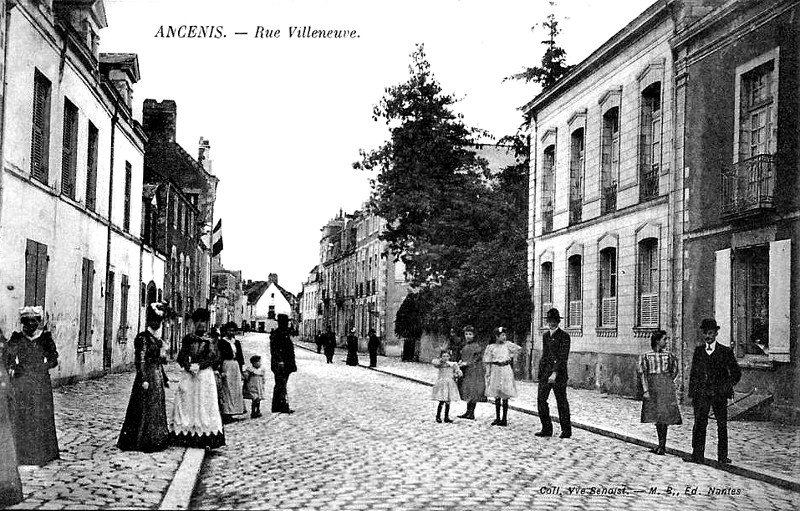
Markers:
{"x": 256, "y": 290}
{"x": 129, "y": 62}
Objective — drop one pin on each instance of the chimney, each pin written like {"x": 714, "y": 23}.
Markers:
{"x": 159, "y": 119}
{"x": 122, "y": 70}
{"x": 273, "y": 278}
{"x": 204, "y": 154}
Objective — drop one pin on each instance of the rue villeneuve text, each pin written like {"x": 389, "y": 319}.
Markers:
{"x": 258, "y": 32}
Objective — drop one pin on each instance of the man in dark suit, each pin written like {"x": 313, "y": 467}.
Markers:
{"x": 282, "y": 363}
{"x": 329, "y": 344}
{"x": 553, "y": 375}
{"x": 714, "y": 374}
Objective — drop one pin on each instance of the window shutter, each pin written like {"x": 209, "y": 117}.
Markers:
{"x": 648, "y": 310}
{"x": 722, "y": 295}
{"x": 576, "y": 313}
{"x": 609, "y": 312}
{"x": 780, "y": 267}
{"x": 87, "y": 286}
{"x": 39, "y": 135}
{"x": 68, "y": 155}
{"x": 41, "y": 274}
{"x": 31, "y": 252}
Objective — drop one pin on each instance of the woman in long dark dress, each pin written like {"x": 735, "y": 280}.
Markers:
{"x": 352, "y": 348}
{"x": 10, "y": 485}
{"x": 145, "y": 427}
{"x": 657, "y": 370}
{"x": 230, "y": 353}
{"x": 196, "y": 421}
{"x": 30, "y": 355}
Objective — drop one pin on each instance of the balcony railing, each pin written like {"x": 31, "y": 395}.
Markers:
{"x": 748, "y": 187}
{"x": 609, "y": 198}
{"x": 575, "y": 209}
{"x": 648, "y": 185}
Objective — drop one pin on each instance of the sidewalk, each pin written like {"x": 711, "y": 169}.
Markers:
{"x": 91, "y": 472}
{"x": 763, "y": 450}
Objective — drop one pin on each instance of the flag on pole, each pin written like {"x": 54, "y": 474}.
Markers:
{"x": 216, "y": 239}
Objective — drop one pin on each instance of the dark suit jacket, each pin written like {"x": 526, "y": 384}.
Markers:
{"x": 555, "y": 352}
{"x": 713, "y": 376}
{"x": 281, "y": 352}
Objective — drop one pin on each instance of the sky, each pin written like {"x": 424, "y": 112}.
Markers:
{"x": 287, "y": 116}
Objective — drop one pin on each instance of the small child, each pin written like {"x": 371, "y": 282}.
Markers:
{"x": 254, "y": 385}
{"x": 445, "y": 388}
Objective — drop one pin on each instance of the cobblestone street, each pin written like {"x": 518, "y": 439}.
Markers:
{"x": 366, "y": 440}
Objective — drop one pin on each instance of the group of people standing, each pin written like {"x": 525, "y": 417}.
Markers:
{"x": 327, "y": 341}
{"x": 482, "y": 373}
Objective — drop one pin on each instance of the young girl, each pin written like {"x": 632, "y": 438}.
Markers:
{"x": 500, "y": 383}
{"x": 254, "y": 385}
{"x": 658, "y": 370}
{"x": 445, "y": 388}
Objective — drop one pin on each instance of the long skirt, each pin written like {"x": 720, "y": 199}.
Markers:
{"x": 31, "y": 409}
{"x": 231, "y": 401}
{"x": 196, "y": 421}
{"x": 662, "y": 406}
{"x": 473, "y": 385}
{"x": 10, "y": 486}
{"x": 500, "y": 383}
{"x": 145, "y": 427}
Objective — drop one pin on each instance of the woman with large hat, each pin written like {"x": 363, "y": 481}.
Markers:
{"x": 196, "y": 421}
{"x": 29, "y": 356}
{"x": 145, "y": 427}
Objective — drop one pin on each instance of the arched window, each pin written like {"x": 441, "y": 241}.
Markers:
{"x": 574, "y": 291}
{"x": 548, "y": 188}
{"x": 647, "y": 298}
{"x": 609, "y": 164}
{"x": 650, "y": 142}
{"x": 546, "y": 296}
{"x": 608, "y": 288}
{"x": 576, "y": 163}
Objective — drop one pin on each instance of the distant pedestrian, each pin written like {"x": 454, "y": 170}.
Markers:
{"x": 657, "y": 371}
{"x": 372, "y": 346}
{"x": 10, "y": 485}
{"x": 196, "y": 421}
{"x": 30, "y": 355}
{"x": 282, "y": 363}
{"x": 553, "y": 376}
{"x": 352, "y": 348}
{"x": 473, "y": 384}
{"x": 498, "y": 359}
{"x": 318, "y": 341}
{"x": 445, "y": 389}
{"x": 254, "y": 383}
{"x": 145, "y": 426}
{"x": 230, "y": 371}
{"x": 329, "y": 342}
{"x": 713, "y": 375}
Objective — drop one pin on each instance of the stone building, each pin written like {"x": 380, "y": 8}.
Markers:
{"x": 72, "y": 165}
{"x": 265, "y": 300}
{"x": 311, "y": 306}
{"x": 739, "y": 173}
{"x": 602, "y": 199}
{"x": 227, "y": 295}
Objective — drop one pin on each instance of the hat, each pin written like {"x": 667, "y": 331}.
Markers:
{"x": 353, "y": 330}
{"x": 553, "y": 314}
{"x": 31, "y": 311}
{"x": 469, "y": 328}
{"x": 500, "y": 330}
{"x": 156, "y": 311}
{"x": 709, "y": 324}
{"x": 201, "y": 314}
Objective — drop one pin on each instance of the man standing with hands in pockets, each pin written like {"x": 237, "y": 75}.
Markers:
{"x": 553, "y": 375}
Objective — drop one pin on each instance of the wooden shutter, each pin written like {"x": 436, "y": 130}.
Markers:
{"x": 91, "y": 169}
{"x": 41, "y": 275}
{"x": 722, "y": 295}
{"x": 780, "y": 268}
{"x": 87, "y": 293}
{"x": 126, "y": 220}
{"x": 609, "y": 312}
{"x": 40, "y": 138}
{"x": 123, "y": 312}
{"x": 648, "y": 310}
{"x": 31, "y": 256}
{"x": 68, "y": 149}
{"x": 576, "y": 313}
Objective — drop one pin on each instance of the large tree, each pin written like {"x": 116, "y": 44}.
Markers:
{"x": 554, "y": 61}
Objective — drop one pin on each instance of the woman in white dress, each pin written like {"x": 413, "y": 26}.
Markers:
{"x": 500, "y": 384}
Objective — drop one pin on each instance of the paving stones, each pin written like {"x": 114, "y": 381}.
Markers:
{"x": 365, "y": 440}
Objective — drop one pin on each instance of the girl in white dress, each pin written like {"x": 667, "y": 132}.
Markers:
{"x": 500, "y": 384}
{"x": 445, "y": 389}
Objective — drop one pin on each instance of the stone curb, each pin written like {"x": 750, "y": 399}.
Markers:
{"x": 179, "y": 493}
{"x": 741, "y": 470}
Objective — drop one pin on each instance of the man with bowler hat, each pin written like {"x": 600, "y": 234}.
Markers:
{"x": 553, "y": 375}
{"x": 714, "y": 374}
{"x": 282, "y": 363}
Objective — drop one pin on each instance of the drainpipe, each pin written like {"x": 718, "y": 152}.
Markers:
{"x": 7, "y": 6}
{"x": 114, "y": 120}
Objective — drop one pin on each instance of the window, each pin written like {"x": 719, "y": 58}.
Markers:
{"x": 87, "y": 294}
{"x": 91, "y": 168}
{"x": 35, "y": 273}
{"x": 648, "y": 284}
{"x": 175, "y": 212}
{"x": 123, "y": 311}
{"x": 126, "y": 220}
{"x": 608, "y": 288}
{"x": 751, "y": 300}
{"x": 609, "y": 161}
{"x": 574, "y": 292}
{"x": 650, "y": 142}
{"x": 756, "y": 115}
{"x": 40, "y": 133}
{"x": 69, "y": 149}
{"x": 271, "y": 312}
{"x": 546, "y": 292}
{"x": 548, "y": 188}
{"x": 576, "y": 176}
